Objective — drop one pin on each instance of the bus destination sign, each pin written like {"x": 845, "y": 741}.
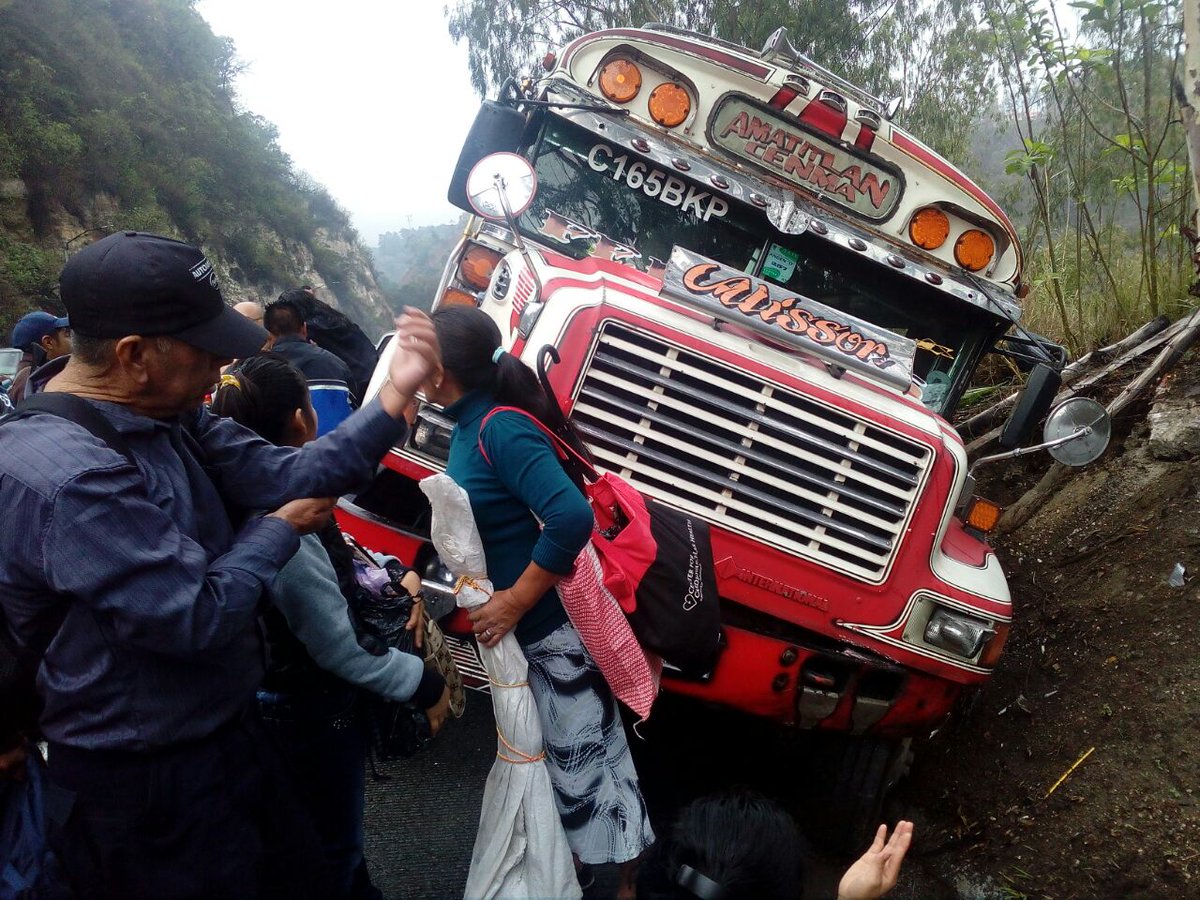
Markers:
{"x": 811, "y": 162}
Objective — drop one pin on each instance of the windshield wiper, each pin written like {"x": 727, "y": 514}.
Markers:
{"x": 591, "y": 107}
{"x": 510, "y": 94}
{"x": 1034, "y": 343}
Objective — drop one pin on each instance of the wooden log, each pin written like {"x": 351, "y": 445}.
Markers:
{"x": 1163, "y": 363}
{"x": 1034, "y": 498}
{"x": 1185, "y": 335}
{"x": 1083, "y": 380}
{"x": 988, "y": 417}
{"x": 1104, "y": 354}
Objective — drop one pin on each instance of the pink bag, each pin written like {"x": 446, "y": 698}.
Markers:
{"x": 631, "y": 672}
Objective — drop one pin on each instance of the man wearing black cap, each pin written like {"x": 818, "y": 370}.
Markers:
{"x": 136, "y": 577}
{"x": 43, "y": 338}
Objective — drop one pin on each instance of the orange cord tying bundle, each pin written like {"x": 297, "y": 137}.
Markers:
{"x": 495, "y": 683}
{"x": 525, "y": 758}
{"x": 468, "y": 581}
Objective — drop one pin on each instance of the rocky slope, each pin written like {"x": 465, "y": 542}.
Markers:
{"x": 124, "y": 115}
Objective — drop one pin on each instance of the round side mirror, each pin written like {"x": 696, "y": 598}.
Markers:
{"x": 501, "y": 185}
{"x": 1083, "y": 416}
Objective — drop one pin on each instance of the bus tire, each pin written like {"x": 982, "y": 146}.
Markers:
{"x": 861, "y": 776}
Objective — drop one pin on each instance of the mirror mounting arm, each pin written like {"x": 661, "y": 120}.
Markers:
{"x": 1083, "y": 431}
{"x": 518, "y": 241}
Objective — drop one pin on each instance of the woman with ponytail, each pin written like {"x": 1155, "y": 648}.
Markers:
{"x": 534, "y": 521}
{"x": 308, "y": 696}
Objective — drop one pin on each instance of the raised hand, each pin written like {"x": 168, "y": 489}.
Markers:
{"x": 876, "y": 871}
{"x": 415, "y": 360}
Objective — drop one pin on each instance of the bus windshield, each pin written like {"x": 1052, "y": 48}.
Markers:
{"x": 596, "y": 198}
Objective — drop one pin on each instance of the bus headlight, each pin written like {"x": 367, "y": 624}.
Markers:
{"x": 431, "y": 433}
{"x": 961, "y": 635}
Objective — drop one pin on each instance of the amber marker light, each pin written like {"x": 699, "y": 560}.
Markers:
{"x": 983, "y": 515}
{"x": 974, "y": 249}
{"x": 929, "y": 228}
{"x": 669, "y": 104}
{"x": 620, "y": 80}
{"x": 477, "y": 266}
{"x": 455, "y": 297}
{"x": 991, "y": 652}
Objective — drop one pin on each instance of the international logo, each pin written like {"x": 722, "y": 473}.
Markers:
{"x": 728, "y": 568}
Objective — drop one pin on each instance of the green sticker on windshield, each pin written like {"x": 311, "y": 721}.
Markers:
{"x": 780, "y": 264}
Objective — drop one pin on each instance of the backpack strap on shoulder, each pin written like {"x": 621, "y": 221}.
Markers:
{"x": 75, "y": 409}
{"x": 565, "y": 451}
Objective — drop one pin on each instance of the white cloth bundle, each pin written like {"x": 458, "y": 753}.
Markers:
{"x": 521, "y": 850}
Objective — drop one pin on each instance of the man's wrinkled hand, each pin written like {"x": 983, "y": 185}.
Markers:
{"x": 307, "y": 515}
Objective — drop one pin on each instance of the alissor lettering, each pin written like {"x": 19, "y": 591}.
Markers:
{"x": 739, "y": 293}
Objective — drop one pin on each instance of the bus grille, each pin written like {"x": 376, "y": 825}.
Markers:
{"x": 749, "y": 456}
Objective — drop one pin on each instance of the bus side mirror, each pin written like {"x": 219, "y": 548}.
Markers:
{"x": 497, "y": 127}
{"x": 1032, "y": 405}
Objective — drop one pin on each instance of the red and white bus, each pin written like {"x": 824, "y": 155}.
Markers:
{"x": 767, "y": 299}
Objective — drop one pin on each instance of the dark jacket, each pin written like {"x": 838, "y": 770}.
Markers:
{"x": 328, "y": 380}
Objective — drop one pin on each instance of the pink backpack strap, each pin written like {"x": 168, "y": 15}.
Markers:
{"x": 563, "y": 449}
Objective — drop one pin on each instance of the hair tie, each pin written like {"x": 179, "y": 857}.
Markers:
{"x": 496, "y": 354}
{"x": 698, "y": 884}
{"x": 228, "y": 379}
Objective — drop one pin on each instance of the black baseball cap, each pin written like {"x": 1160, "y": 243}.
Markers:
{"x": 135, "y": 283}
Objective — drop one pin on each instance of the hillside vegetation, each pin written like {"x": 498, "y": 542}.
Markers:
{"x": 410, "y": 261}
{"x": 124, "y": 115}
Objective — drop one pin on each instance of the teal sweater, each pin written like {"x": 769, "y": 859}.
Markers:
{"x": 523, "y": 484}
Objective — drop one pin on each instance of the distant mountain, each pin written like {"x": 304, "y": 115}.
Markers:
{"x": 119, "y": 115}
{"x": 410, "y": 261}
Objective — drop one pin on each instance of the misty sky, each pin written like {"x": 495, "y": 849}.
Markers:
{"x": 371, "y": 98}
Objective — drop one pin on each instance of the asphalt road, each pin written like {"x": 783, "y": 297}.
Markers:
{"x": 421, "y": 822}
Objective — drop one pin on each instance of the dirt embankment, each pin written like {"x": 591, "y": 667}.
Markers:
{"x": 1103, "y": 659}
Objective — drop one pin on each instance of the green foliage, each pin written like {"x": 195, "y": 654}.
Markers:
{"x": 1103, "y": 156}
{"x": 927, "y": 52}
{"x": 410, "y": 262}
{"x": 28, "y": 280}
{"x": 28, "y": 270}
{"x": 258, "y": 259}
{"x": 134, "y": 100}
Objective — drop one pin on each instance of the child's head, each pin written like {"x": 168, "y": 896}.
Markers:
{"x": 730, "y": 846}
{"x": 269, "y": 396}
